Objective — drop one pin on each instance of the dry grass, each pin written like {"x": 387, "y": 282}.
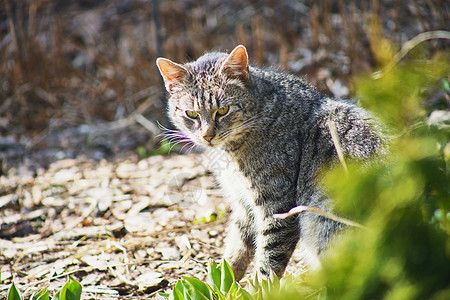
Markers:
{"x": 84, "y": 62}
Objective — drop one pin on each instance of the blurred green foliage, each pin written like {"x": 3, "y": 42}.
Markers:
{"x": 164, "y": 148}
{"x": 212, "y": 217}
{"x": 397, "y": 97}
{"x": 405, "y": 201}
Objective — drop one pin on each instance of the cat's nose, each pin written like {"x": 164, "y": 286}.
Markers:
{"x": 208, "y": 138}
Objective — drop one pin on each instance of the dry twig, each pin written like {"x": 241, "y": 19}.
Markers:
{"x": 337, "y": 144}
{"x": 408, "y": 46}
{"x": 302, "y": 208}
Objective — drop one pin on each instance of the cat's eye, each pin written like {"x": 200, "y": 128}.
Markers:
{"x": 223, "y": 111}
{"x": 192, "y": 114}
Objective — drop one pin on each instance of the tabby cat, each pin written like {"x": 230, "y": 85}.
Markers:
{"x": 272, "y": 130}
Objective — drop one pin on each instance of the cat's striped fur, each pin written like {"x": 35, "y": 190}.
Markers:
{"x": 275, "y": 141}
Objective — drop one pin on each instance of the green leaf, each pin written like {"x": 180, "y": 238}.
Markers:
{"x": 226, "y": 277}
{"x": 445, "y": 85}
{"x": 180, "y": 290}
{"x": 322, "y": 295}
{"x": 233, "y": 289}
{"x": 191, "y": 292}
{"x": 70, "y": 291}
{"x": 14, "y": 293}
{"x": 259, "y": 295}
{"x": 246, "y": 295}
{"x": 176, "y": 295}
{"x": 242, "y": 294}
{"x": 265, "y": 289}
{"x": 41, "y": 295}
{"x": 57, "y": 296}
{"x": 274, "y": 282}
{"x": 199, "y": 286}
{"x": 141, "y": 151}
{"x": 214, "y": 276}
{"x": 286, "y": 283}
{"x": 286, "y": 280}
{"x": 254, "y": 284}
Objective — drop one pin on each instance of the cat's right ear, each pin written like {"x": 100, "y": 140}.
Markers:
{"x": 236, "y": 64}
{"x": 173, "y": 74}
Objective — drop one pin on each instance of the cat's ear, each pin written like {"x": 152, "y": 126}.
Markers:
{"x": 236, "y": 64}
{"x": 174, "y": 74}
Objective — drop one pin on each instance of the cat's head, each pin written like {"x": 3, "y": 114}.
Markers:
{"x": 209, "y": 98}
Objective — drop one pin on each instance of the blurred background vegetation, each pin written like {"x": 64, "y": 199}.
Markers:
{"x": 78, "y": 77}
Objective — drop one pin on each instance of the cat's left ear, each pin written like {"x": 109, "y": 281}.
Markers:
{"x": 236, "y": 64}
{"x": 174, "y": 74}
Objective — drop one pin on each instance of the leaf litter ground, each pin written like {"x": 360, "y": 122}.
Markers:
{"x": 124, "y": 230}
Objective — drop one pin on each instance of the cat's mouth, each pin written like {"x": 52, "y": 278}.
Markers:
{"x": 213, "y": 143}
{"x": 219, "y": 141}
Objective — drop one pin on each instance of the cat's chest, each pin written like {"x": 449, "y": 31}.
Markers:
{"x": 236, "y": 186}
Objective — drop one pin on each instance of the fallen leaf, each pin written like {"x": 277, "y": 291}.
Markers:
{"x": 150, "y": 278}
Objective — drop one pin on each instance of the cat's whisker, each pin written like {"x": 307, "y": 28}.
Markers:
{"x": 190, "y": 143}
{"x": 172, "y": 146}
{"x": 175, "y": 137}
{"x": 173, "y": 133}
{"x": 165, "y": 130}
{"x": 181, "y": 150}
{"x": 192, "y": 148}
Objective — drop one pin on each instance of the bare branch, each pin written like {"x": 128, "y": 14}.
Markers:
{"x": 303, "y": 208}
{"x": 337, "y": 144}
{"x": 409, "y": 45}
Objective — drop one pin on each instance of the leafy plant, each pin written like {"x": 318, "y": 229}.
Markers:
{"x": 70, "y": 291}
{"x": 41, "y": 295}
{"x": 287, "y": 287}
{"x": 221, "y": 285}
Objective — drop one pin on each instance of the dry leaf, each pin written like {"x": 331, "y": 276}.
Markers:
{"x": 150, "y": 278}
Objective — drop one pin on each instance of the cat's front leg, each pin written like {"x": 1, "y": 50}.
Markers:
{"x": 240, "y": 242}
{"x": 275, "y": 242}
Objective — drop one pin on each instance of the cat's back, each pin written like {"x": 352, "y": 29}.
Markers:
{"x": 280, "y": 82}
{"x": 285, "y": 95}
